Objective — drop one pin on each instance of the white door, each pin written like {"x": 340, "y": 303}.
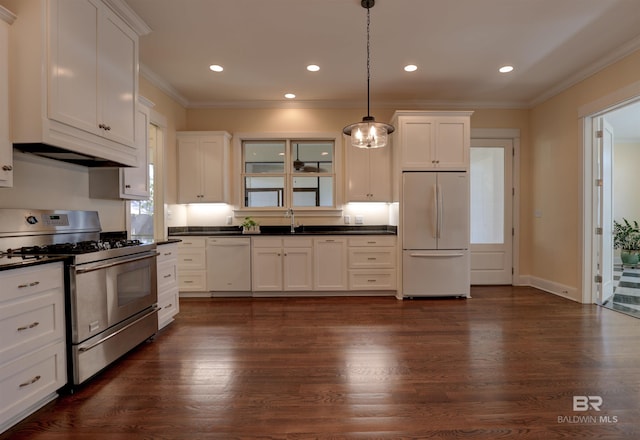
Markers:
{"x": 604, "y": 143}
{"x": 491, "y": 211}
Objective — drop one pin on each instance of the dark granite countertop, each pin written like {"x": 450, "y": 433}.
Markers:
{"x": 167, "y": 241}
{"x": 8, "y": 262}
{"x": 284, "y": 230}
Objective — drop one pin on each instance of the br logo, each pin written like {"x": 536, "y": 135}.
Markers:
{"x": 584, "y": 403}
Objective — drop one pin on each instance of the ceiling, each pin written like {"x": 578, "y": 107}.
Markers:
{"x": 265, "y": 46}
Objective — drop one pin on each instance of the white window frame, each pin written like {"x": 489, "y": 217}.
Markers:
{"x": 238, "y": 163}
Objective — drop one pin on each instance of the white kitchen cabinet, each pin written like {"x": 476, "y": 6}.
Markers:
{"x": 6, "y": 149}
{"x": 330, "y": 263}
{"x": 203, "y": 167}
{"x": 168, "y": 293}
{"x": 74, "y": 77}
{"x": 368, "y": 175}
{"x": 127, "y": 182}
{"x": 281, "y": 264}
{"x": 432, "y": 140}
{"x": 32, "y": 348}
{"x": 192, "y": 264}
{"x": 372, "y": 262}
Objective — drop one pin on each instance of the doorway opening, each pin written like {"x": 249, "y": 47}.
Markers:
{"x": 611, "y": 154}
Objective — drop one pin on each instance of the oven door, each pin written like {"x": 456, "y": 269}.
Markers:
{"x": 107, "y": 292}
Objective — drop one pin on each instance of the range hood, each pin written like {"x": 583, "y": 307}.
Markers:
{"x": 64, "y": 155}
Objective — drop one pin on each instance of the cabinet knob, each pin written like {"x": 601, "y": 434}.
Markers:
{"x": 127, "y": 186}
{"x": 7, "y": 167}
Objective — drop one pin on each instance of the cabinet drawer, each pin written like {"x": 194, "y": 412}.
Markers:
{"x": 191, "y": 259}
{"x": 28, "y": 380}
{"x": 167, "y": 274}
{"x": 370, "y": 257}
{"x": 18, "y": 283}
{"x": 378, "y": 279}
{"x": 192, "y": 281}
{"x": 30, "y": 323}
{"x": 169, "y": 306}
{"x": 373, "y": 240}
{"x": 191, "y": 242}
{"x": 268, "y": 242}
{"x": 168, "y": 252}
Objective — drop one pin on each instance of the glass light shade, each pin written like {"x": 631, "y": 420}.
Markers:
{"x": 368, "y": 133}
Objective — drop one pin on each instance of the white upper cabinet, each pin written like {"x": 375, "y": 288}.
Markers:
{"x": 368, "y": 174}
{"x": 6, "y": 150}
{"x": 432, "y": 140}
{"x": 203, "y": 166}
{"x": 89, "y": 55}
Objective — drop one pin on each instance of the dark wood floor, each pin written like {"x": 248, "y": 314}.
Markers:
{"x": 505, "y": 364}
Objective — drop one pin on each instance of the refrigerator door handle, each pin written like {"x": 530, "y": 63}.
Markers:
{"x": 439, "y": 201}
{"x": 436, "y": 213}
{"x": 434, "y": 254}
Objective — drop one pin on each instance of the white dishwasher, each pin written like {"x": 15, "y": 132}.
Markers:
{"x": 229, "y": 264}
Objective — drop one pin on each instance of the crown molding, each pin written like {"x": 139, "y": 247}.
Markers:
{"x": 163, "y": 85}
{"x": 125, "y": 12}
{"x": 6, "y": 15}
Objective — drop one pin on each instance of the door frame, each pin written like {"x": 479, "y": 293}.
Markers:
{"x": 587, "y": 115}
{"x": 512, "y": 134}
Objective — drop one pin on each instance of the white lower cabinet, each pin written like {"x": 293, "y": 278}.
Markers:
{"x": 330, "y": 263}
{"x": 372, "y": 263}
{"x": 168, "y": 294}
{"x": 192, "y": 264}
{"x": 32, "y": 348}
{"x": 282, "y": 264}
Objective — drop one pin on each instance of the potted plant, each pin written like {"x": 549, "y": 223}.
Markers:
{"x": 250, "y": 226}
{"x": 626, "y": 237}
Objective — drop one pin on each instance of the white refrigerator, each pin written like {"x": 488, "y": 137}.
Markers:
{"x": 435, "y": 234}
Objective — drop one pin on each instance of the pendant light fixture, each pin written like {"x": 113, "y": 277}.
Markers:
{"x": 368, "y": 133}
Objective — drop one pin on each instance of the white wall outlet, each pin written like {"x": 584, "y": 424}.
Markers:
{"x": 229, "y": 220}
{"x": 359, "y": 219}
{"x": 347, "y": 219}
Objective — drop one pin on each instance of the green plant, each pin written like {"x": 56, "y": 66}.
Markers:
{"x": 626, "y": 235}
{"x": 249, "y": 223}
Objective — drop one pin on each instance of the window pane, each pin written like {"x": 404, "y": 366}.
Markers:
{"x": 263, "y": 156}
{"x": 312, "y": 191}
{"x": 261, "y": 192}
{"x": 487, "y": 195}
{"x": 312, "y": 156}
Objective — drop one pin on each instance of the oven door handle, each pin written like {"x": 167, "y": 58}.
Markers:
{"x": 155, "y": 309}
{"x": 116, "y": 263}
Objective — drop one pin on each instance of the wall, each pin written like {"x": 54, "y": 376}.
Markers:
{"x": 556, "y": 179}
{"x": 626, "y": 199}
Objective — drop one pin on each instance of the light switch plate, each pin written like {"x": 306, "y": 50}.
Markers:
{"x": 359, "y": 219}
{"x": 347, "y": 219}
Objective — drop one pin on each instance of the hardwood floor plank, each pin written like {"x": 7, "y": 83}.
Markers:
{"x": 504, "y": 364}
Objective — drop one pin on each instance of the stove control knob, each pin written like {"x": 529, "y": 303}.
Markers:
{"x": 32, "y": 220}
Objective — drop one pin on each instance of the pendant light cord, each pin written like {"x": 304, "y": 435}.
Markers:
{"x": 368, "y": 59}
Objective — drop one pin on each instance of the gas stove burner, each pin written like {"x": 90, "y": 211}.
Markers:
{"x": 81, "y": 247}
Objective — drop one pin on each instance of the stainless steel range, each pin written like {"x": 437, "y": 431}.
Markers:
{"x": 111, "y": 283}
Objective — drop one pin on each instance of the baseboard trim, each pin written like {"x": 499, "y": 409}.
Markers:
{"x": 557, "y": 289}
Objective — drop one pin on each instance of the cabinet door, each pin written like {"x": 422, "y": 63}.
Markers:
{"x": 266, "y": 269}
{"x": 73, "y": 94}
{"x": 213, "y": 177}
{"x": 6, "y": 149}
{"x": 330, "y": 264}
{"x": 189, "y": 171}
{"x": 380, "y": 175}
{"x": 357, "y": 175}
{"x": 118, "y": 69}
{"x": 452, "y": 143}
{"x": 298, "y": 269}
{"x": 416, "y": 142}
{"x": 135, "y": 180}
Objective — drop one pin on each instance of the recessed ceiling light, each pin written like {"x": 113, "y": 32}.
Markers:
{"x": 289, "y": 95}
{"x": 410, "y": 68}
{"x": 313, "y": 68}
{"x": 505, "y": 69}
{"x": 216, "y": 68}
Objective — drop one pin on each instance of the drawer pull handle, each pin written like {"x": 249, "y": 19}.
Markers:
{"x": 168, "y": 306}
{"x": 188, "y": 259}
{"x": 371, "y": 258}
{"x": 32, "y": 284}
{"x": 371, "y": 242}
{"x": 188, "y": 281}
{"x": 167, "y": 254}
{"x": 371, "y": 281}
{"x": 167, "y": 276}
{"x": 29, "y": 382}
{"x": 27, "y": 327}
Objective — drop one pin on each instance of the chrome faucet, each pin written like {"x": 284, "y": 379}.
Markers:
{"x": 290, "y": 214}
